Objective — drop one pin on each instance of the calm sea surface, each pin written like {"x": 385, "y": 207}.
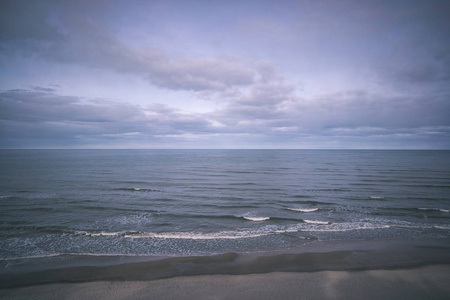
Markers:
{"x": 194, "y": 202}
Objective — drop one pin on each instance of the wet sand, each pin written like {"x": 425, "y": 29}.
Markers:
{"x": 428, "y": 282}
{"x": 384, "y": 269}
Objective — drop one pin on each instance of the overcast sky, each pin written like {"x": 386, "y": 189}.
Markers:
{"x": 225, "y": 74}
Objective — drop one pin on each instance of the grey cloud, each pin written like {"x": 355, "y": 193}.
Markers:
{"x": 200, "y": 74}
{"x": 168, "y": 120}
{"x": 359, "y": 108}
{"x": 33, "y": 106}
{"x": 83, "y": 41}
{"x": 283, "y": 112}
{"x": 30, "y": 118}
{"x": 43, "y": 89}
{"x": 434, "y": 71}
{"x": 261, "y": 104}
{"x": 31, "y": 115}
{"x": 415, "y": 46}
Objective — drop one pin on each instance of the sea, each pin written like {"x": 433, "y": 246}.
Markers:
{"x": 164, "y": 203}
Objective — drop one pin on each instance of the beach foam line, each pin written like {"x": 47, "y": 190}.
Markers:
{"x": 31, "y": 256}
{"x": 304, "y": 209}
{"x": 238, "y": 234}
{"x": 74, "y": 254}
{"x": 196, "y": 236}
{"x": 343, "y": 229}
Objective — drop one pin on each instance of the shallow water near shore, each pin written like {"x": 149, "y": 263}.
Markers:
{"x": 57, "y": 205}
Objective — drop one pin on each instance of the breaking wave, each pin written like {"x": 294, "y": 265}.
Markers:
{"x": 304, "y": 209}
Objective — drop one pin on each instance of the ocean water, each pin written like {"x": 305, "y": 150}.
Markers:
{"x": 202, "y": 202}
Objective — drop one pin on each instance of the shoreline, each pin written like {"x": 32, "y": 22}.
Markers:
{"x": 426, "y": 282}
{"x": 344, "y": 256}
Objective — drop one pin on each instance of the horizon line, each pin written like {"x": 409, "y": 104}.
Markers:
{"x": 296, "y": 149}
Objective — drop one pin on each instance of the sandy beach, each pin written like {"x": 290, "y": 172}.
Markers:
{"x": 429, "y": 282}
{"x": 395, "y": 269}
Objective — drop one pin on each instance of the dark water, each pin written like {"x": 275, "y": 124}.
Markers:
{"x": 194, "y": 202}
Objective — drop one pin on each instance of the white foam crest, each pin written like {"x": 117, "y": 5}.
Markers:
{"x": 317, "y": 222}
{"x": 376, "y": 197}
{"x": 435, "y": 209}
{"x": 447, "y": 227}
{"x": 256, "y": 219}
{"x": 304, "y": 209}
{"x": 106, "y": 234}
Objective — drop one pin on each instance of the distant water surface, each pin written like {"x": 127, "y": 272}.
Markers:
{"x": 197, "y": 202}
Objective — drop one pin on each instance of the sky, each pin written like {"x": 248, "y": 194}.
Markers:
{"x": 347, "y": 74}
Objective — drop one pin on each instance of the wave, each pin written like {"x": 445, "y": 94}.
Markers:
{"x": 22, "y": 226}
{"x": 237, "y": 205}
{"x": 302, "y": 196}
{"x": 329, "y": 190}
{"x": 247, "y": 216}
{"x": 195, "y": 236}
{"x": 137, "y": 189}
{"x": 376, "y": 197}
{"x": 178, "y": 235}
{"x": 446, "y": 227}
{"x": 42, "y": 209}
{"x": 317, "y": 222}
{"x": 309, "y": 202}
{"x": 305, "y": 226}
{"x": 99, "y": 233}
{"x": 342, "y": 227}
{"x": 434, "y": 209}
{"x": 428, "y": 186}
{"x": 257, "y": 219}
{"x": 304, "y": 209}
{"x": 236, "y": 234}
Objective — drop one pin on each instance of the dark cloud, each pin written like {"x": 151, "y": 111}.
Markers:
{"x": 282, "y": 111}
{"x": 43, "y": 89}
{"x": 31, "y": 115}
{"x": 416, "y": 48}
{"x": 22, "y": 20}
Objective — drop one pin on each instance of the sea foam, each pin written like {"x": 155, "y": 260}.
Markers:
{"x": 304, "y": 209}
{"x": 434, "y": 209}
{"x": 256, "y": 219}
{"x": 316, "y": 222}
{"x": 195, "y": 235}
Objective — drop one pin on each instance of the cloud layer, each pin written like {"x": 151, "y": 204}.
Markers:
{"x": 302, "y": 75}
{"x": 36, "y": 117}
